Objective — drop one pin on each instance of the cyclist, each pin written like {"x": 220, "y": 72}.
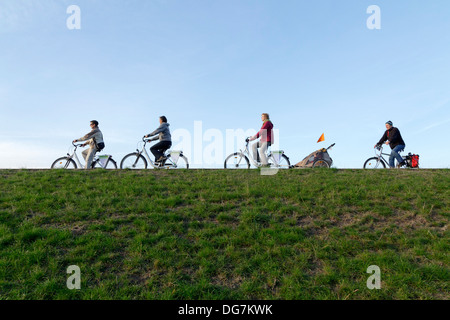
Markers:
{"x": 165, "y": 140}
{"x": 95, "y": 141}
{"x": 266, "y": 135}
{"x": 394, "y": 139}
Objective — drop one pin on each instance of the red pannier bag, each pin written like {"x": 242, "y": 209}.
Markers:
{"x": 415, "y": 161}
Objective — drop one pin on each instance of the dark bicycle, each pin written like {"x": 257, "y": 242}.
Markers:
{"x": 379, "y": 162}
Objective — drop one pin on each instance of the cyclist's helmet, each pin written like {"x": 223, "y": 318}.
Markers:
{"x": 390, "y": 123}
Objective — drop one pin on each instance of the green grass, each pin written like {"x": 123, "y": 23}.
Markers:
{"x": 216, "y": 234}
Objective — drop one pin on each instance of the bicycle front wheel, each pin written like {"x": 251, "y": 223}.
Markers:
{"x": 374, "y": 163}
{"x": 133, "y": 161}
{"x": 283, "y": 163}
{"x": 64, "y": 163}
{"x": 110, "y": 164}
{"x": 236, "y": 160}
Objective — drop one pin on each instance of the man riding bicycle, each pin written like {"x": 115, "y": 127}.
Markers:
{"x": 165, "y": 140}
{"x": 266, "y": 135}
{"x": 393, "y": 137}
{"x": 95, "y": 141}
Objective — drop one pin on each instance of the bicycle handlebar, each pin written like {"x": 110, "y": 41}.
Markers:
{"x": 146, "y": 140}
{"x": 379, "y": 148}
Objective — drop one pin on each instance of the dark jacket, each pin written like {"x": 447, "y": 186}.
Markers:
{"x": 394, "y": 137}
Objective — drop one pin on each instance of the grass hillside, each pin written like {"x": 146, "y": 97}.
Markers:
{"x": 217, "y": 234}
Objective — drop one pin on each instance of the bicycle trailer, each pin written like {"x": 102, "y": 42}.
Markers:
{"x": 318, "y": 158}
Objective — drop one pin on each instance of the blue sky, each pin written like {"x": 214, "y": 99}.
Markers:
{"x": 314, "y": 66}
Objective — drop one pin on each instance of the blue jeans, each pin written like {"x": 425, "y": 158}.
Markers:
{"x": 395, "y": 155}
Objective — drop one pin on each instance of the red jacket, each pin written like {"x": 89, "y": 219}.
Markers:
{"x": 266, "y": 132}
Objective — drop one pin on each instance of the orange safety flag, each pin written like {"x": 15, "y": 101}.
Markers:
{"x": 322, "y": 138}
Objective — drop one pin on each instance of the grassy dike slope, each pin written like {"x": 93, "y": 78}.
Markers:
{"x": 216, "y": 234}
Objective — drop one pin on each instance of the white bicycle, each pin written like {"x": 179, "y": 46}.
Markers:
{"x": 240, "y": 160}
{"x": 138, "y": 160}
{"x": 71, "y": 161}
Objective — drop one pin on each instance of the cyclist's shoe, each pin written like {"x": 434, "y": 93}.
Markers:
{"x": 162, "y": 160}
{"x": 401, "y": 164}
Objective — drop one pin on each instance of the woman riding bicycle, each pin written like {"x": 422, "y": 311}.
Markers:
{"x": 266, "y": 134}
{"x": 165, "y": 140}
{"x": 393, "y": 137}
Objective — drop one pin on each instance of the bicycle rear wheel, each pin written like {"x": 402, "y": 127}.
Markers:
{"x": 374, "y": 163}
{"x": 236, "y": 160}
{"x": 283, "y": 163}
{"x": 133, "y": 161}
{"x": 64, "y": 163}
{"x": 181, "y": 162}
{"x": 110, "y": 164}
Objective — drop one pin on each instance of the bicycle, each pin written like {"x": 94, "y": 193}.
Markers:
{"x": 240, "y": 160}
{"x": 71, "y": 161}
{"x": 138, "y": 160}
{"x": 379, "y": 162}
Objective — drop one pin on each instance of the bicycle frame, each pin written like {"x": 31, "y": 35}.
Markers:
{"x": 380, "y": 155}
{"x": 149, "y": 159}
{"x": 74, "y": 156}
{"x": 246, "y": 153}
